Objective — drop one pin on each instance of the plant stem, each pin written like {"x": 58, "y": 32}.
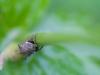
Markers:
{"x": 50, "y": 38}
{"x": 13, "y": 52}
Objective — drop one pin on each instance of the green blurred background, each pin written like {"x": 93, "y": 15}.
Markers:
{"x": 18, "y": 18}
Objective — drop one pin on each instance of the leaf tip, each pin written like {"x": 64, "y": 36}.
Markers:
{"x": 1, "y": 62}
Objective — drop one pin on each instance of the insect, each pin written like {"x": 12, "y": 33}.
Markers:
{"x": 29, "y": 47}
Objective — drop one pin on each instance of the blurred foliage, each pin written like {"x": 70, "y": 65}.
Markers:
{"x": 18, "y": 18}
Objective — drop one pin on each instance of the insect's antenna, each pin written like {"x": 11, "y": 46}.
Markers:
{"x": 34, "y": 37}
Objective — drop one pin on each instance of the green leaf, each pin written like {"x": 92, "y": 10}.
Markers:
{"x": 29, "y": 16}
